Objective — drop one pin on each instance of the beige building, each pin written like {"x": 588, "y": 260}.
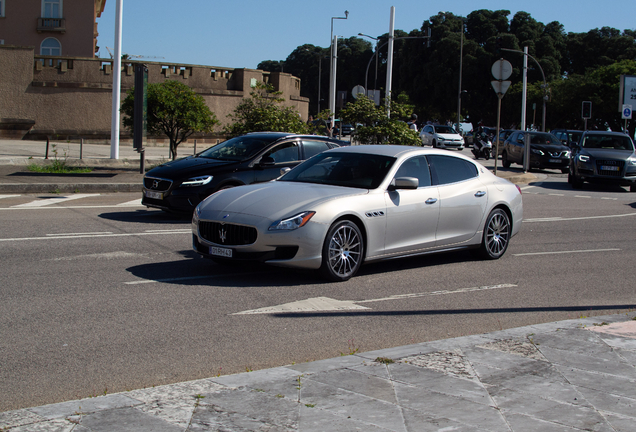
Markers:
{"x": 51, "y": 84}
{"x": 53, "y": 27}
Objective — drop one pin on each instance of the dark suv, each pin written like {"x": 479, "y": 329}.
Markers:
{"x": 546, "y": 151}
{"x": 603, "y": 157}
{"x": 180, "y": 185}
{"x": 567, "y": 136}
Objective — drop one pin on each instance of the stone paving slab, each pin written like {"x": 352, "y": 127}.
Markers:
{"x": 561, "y": 376}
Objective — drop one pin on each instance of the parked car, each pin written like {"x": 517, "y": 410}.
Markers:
{"x": 603, "y": 157}
{"x": 567, "y": 136}
{"x": 503, "y": 136}
{"x": 546, "y": 151}
{"x": 361, "y": 204}
{"x": 441, "y": 136}
{"x": 180, "y": 185}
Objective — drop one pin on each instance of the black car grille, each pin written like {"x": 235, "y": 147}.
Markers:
{"x": 157, "y": 184}
{"x": 610, "y": 163}
{"x": 227, "y": 234}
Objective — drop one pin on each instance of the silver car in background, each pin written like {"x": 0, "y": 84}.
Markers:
{"x": 354, "y": 205}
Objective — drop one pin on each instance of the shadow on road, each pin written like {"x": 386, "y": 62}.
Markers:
{"x": 147, "y": 216}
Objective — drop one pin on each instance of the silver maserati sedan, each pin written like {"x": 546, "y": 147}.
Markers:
{"x": 354, "y": 205}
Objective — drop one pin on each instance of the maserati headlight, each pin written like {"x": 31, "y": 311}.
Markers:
{"x": 197, "y": 181}
{"x": 293, "y": 222}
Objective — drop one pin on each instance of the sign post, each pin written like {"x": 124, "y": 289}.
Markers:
{"x": 586, "y": 111}
{"x": 627, "y": 114}
{"x": 501, "y": 70}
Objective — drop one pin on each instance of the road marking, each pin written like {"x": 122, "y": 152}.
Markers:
{"x": 67, "y": 236}
{"x": 608, "y": 198}
{"x": 326, "y": 304}
{"x": 9, "y": 196}
{"x": 51, "y": 201}
{"x": 556, "y": 194}
{"x": 561, "y": 219}
{"x": 79, "y": 234}
{"x": 582, "y": 196}
{"x": 106, "y": 255}
{"x": 566, "y": 252}
{"x": 133, "y": 203}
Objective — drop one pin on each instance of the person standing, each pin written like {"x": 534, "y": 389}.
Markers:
{"x": 413, "y": 122}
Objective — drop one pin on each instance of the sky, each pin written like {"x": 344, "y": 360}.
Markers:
{"x": 242, "y": 33}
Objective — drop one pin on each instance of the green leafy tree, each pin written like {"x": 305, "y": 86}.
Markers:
{"x": 263, "y": 112}
{"x": 374, "y": 126}
{"x": 174, "y": 109}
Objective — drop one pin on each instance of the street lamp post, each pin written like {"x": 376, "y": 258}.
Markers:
{"x": 459, "y": 91}
{"x": 332, "y": 73}
{"x": 545, "y": 84}
{"x": 375, "y": 82}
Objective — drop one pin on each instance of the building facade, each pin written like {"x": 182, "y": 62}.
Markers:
{"x": 69, "y": 98}
{"x": 53, "y": 27}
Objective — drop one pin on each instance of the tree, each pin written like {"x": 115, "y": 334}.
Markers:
{"x": 262, "y": 112}
{"x": 376, "y": 127}
{"x": 174, "y": 109}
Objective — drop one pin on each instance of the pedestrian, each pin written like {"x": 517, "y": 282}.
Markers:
{"x": 413, "y": 122}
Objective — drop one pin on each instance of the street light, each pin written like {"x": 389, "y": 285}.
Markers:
{"x": 332, "y": 74}
{"x": 375, "y": 83}
{"x": 545, "y": 84}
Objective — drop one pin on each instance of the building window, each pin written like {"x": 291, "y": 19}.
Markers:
{"x": 1, "y": 8}
{"x": 51, "y": 47}
{"x": 51, "y": 8}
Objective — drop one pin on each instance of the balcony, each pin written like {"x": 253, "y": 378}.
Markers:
{"x": 51, "y": 25}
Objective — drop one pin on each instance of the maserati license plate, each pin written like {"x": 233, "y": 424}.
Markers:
{"x": 222, "y": 252}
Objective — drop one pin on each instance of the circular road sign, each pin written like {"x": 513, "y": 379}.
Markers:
{"x": 357, "y": 90}
{"x": 501, "y": 69}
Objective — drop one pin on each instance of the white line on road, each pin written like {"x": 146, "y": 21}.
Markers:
{"x": 561, "y": 219}
{"x": 9, "y": 196}
{"x": 566, "y": 252}
{"x": 51, "y": 201}
{"x": 133, "y": 203}
{"x": 80, "y": 234}
{"x": 66, "y": 236}
{"x": 326, "y": 304}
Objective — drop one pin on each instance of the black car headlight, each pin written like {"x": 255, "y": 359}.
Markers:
{"x": 293, "y": 222}
{"x": 584, "y": 158}
{"x": 197, "y": 181}
{"x": 537, "y": 152}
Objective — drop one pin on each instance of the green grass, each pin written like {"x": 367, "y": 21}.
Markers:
{"x": 58, "y": 168}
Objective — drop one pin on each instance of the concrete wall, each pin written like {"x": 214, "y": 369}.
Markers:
{"x": 71, "y": 97}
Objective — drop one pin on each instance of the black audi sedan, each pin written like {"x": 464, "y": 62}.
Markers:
{"x": 178, "y": 186}
{"x": 546, "y": 151}
{"x": 603, "y": 157}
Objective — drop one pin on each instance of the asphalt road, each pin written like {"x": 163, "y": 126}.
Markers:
{"x": 100, "y": 295}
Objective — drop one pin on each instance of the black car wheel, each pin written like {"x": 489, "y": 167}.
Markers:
{"x": 342, "y": 252}
{"x": 496, "y": 235}
{"x": 565, "y": 170}
{"x": 434, "y": 144}
{"x": 632, "y": 188}
{"x": 504, "y": 160}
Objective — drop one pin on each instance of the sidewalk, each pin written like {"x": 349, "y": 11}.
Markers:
{"x": 575, "y": 375}
{"x": 108, "y": 175}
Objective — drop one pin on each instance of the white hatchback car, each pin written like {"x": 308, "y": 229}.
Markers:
{"x": 441, "y": 136}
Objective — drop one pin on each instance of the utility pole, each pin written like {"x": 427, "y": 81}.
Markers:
{"x": 389, "y": 64}
{"x": 114, "y": 126}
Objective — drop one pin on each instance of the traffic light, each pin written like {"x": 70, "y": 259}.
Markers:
{"x": 498, "y": 46}
{"x": 586, "y": 110}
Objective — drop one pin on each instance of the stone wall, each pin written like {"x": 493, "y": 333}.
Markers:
{"x": 71, "y": 98}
